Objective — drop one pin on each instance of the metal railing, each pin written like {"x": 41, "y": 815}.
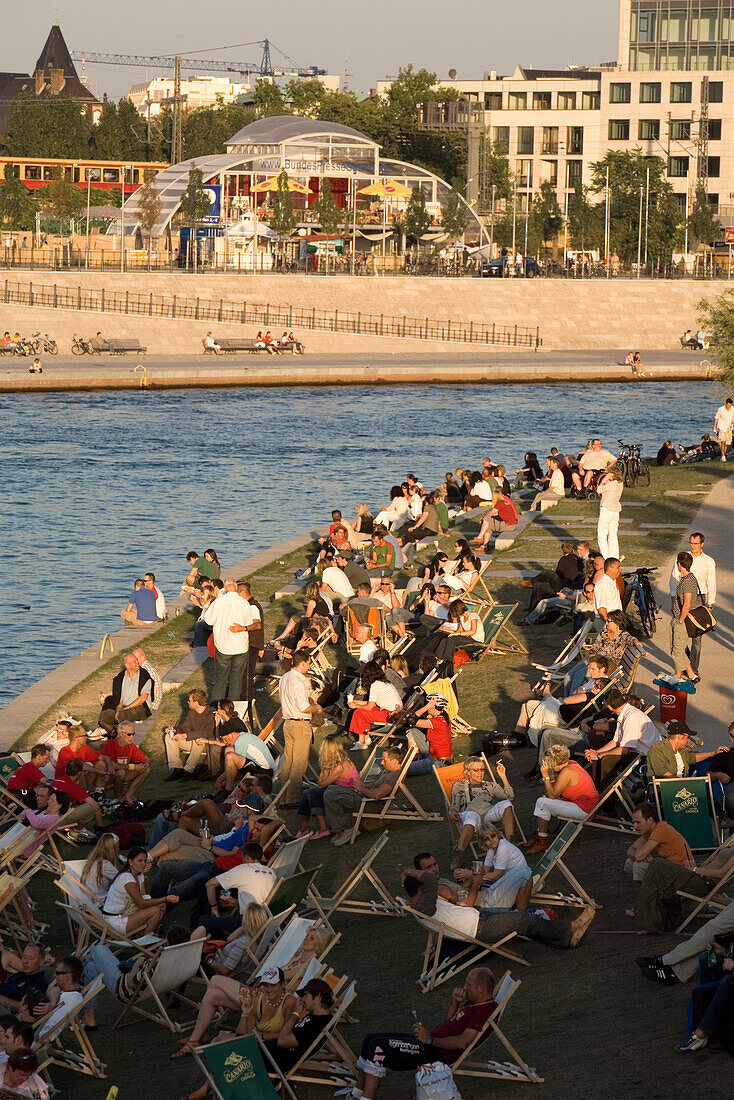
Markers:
{"x": 264, "y": 315}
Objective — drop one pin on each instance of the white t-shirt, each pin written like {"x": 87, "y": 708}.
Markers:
{"x": 483, "y": 490}
{"x": 471, "y": 621}
{"x": 367, "y": 651}
{"x": 66, "y": 1003}
{"x": 606, "y": 594}
{"x": 118, "y": 901}
{"x": 460, "y": 918}
{"x": 596, "y": 460}
{"x": 99, "y": 891}
{"x": 506, "y": 858}
{"x": 635, "y": 730}
{"x": 385, "y": 696}
{"x": 338, "y": 582}
{"x": 557, "y": 484}
{"x": 252, "y": 881}
{"x": 438, "y": 610}
{"x": 229, "y": 608}
{"x": 724, "y": 419}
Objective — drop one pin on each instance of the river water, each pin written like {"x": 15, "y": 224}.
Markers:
{"x": 99, "y": 488}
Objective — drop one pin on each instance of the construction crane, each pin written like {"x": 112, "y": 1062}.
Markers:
{"x": 263, "y": 68}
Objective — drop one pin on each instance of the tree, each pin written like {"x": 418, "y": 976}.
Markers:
{"x": 703, "y": 226}
{"x": 149, "y": 210}
{"x": 584, "y": 220}
{"x": 496, "y": 173}
{"x": 120, "y": 133}
{"x": 268, "y": 100}
{"x": 628, "y": 174}
{"x": 64, "y": 199}
{"x": 717, "y": 319}
{"x": 17, "y": 205}
{"x": 47, "y": 126}
{"x": 194, "y": 204}
{"x": 454, "y": 215}
{"x": 328, "y": 213}
{"x": 417, "y": 218}
{"x": 283, "y": 221}
{"x": 546, "y": 214}
{"x": 208, "y": 130}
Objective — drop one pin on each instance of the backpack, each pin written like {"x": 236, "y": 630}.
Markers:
{"x": 129, "y": 833}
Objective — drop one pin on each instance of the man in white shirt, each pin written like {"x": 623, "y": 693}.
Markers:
{"x": 297, "y": 711}
{"x": 704, "y": 570}
{"x": 335, "y": 580}
{"x": 232, "y": 619}
{"x": 606, "y": 593}
{"x": 252, "y": 880}
{"x": 596, "y": 458}
{"x": 723, "y": 426}
{"x": 65, "y": 992}
{"x": 160, "y": 599}
{"x": 635, "y": 732}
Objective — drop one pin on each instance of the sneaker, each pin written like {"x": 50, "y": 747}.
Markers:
{"x": 723, "y": 459}
{"x": 649, "y": 960}
{"x": 663, "y": 975}
{"x": 692, "y": 1042}
{"x": 342, "y": 838}
{"x": 358, "y": 746}
{"x": 175, "y": 775}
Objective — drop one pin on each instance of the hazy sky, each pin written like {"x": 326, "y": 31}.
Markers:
{"x": 368, "y": 38}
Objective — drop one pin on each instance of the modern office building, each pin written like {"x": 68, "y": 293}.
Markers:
{"x": 670, "y": 93}
{"x": 150, "y": 97}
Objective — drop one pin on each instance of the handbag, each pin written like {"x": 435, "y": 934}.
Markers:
{"x": 699, "y": 621}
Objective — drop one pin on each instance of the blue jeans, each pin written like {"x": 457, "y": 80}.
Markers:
{"x": 574, "y": 679}
{"x": 100, "y": 960}
{"x": 502, "y": 894}
{"x": 311, "y": 802}
{"x": 161, "y": 828}
{"x": 423, "y": 763}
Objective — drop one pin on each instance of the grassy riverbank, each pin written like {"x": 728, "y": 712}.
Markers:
{"x": 594, "y": 995}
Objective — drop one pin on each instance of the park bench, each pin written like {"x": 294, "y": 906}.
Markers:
{"x": 120, "y": 347}
{"x": 233, "y": 344}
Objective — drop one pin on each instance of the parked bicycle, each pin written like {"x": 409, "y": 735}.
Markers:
{"x": 632, "y": 466}
{"x": 80, "y": 346}
{"x": 43, "y": 343}
{"x": 639, "y": 589}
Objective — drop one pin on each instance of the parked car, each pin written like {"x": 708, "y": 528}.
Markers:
{"x": 498, "y": 268}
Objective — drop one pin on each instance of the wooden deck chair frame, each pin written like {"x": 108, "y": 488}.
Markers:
{"x": 146, "y": 988}
{"x": 375, "y": 622}
{"x": 383, "y": 907}
{"x": 259, "y": 945}
{"x": 570, "y": 653}
{"x": 329, "y": 1060}
{"x": 456, "y": 773}
{"x": 552, "y": 860}
{"x": 50, "y": 1050}
{"x": 494, "y": 645}
{"x": 93, "y": 925}
{"x": 435, "y": 970}
{"x": 389, "y": 811}
{"x": 268, "y": 1064}
{"x": 517, "y": 1069}
{"x": 16, "y": 909}
{"x": 277, "y": 943}
{"x": 616, "y": 787}
{"x": 476, "y": 597}
{"x": 710, "y": 900}
{"x": 11, "y": 852}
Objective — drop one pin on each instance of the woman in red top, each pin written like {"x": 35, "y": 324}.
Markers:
{"x": 432, "y": 736}
{"x": 501, "y": 517}
{"x": 569, "y": 794}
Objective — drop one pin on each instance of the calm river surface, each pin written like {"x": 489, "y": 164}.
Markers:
{"x": 99, "y": 488}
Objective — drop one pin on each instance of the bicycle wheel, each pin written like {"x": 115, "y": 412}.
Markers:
{"x": 648, "y": 610}
{"x": 52, "y": 348}
{"x": 77, "y": 349}
{"x": 643, "y": 475}
{"x": 630, "y": 475}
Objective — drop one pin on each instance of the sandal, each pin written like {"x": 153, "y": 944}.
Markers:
{"x": 184, "y": 1051}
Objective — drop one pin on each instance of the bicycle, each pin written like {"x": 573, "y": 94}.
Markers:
{"x": 80, "y": 346}
{"x": 638, "y": 587}
{"x": 43, "y": 343}
{"x": 631, "y": 465}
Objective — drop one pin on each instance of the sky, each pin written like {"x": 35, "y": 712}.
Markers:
{"x": 369, "y": 40}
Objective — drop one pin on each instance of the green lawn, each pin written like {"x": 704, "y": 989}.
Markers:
{"x": 585, "y": 1019}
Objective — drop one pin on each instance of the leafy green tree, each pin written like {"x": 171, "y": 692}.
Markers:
{"x": 17, "y": 205}
{"x": 496, "y": 173}
{"x": 194, "y": 205}
{"x": 47, "y": 126}
{"x": 208, "y": 130}
{"x": 546, "y": 215}
{"x": 703, "y": 226}
{"x": 585, "y": 220}
{"x": 120, "y": 133}
{"x": 283, "y": 221}
{"x": 63, "y": 199}
{"x": 149, "y": 210}
{"x": 268, "y": 100}
{"x": 717, "y": 318}
{"x": 304, "y": 97}
{"x": 627, "y": 175}
{"x": 455, "y": 215}
{"x": 417, "y": 218}
{"x": 328, "y": 213}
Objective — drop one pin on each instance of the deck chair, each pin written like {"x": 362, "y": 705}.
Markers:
{"x": 552, "y": 860}
{"x": 446, "y": 777}
{"x": 17, "y": 918}
{"x": 329, "y": 1060}
{"x": 517, "y": 1069}
{"x": 241, "y": 1068}
{"x": 375, "y": 622}
{"x": 172, "y": 966}
{"x": 19, "y": 837}
{"x": 710, "y": 900}
{"x": 383, "y": 905}
{"x": 389, "y": 809}
{"x": 484, "y": 597}
{"x": 495, "y": 625}
{"x": 257, "y": 948}
{"x": 568, "y": 657}
{"x": 287, "y": 860}
{"x": 448, "y": 952}
{"x": 290, "y": 939}
{"x": 84, "y": 914}
{"x": 52, "y": 1048}
{"x": 446, "y": 688}
{"x": 292, "y": 890}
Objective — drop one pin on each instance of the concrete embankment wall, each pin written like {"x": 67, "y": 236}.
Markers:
{"x": 570, "y": 314}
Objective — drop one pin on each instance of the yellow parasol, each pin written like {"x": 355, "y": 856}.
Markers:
{"x": 272, "y": 185}
{"x": 389, "y": 189}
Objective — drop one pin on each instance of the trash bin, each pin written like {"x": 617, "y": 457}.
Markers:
{"x": 673, "y": 704}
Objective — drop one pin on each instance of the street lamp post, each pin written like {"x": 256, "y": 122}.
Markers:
{"x": 639, "y": 235}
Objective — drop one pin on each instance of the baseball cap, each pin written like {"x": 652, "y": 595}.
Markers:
{"x": 680, "y": 729}
{"x": 271, "y": 976}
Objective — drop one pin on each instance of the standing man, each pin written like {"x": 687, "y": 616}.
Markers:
{"x": 606, "y": 593}
{"x": 232, "y": 620}
{"x": 703, "y": 568}
{"x": 723, "y": 426}
{"x": 256, "y": 640}
{"x": 297, "y": 711}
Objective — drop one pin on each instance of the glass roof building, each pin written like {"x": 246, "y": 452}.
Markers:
{"x": 309, "y": 150}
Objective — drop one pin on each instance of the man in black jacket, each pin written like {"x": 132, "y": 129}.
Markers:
{"x": 130, "y": 696}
